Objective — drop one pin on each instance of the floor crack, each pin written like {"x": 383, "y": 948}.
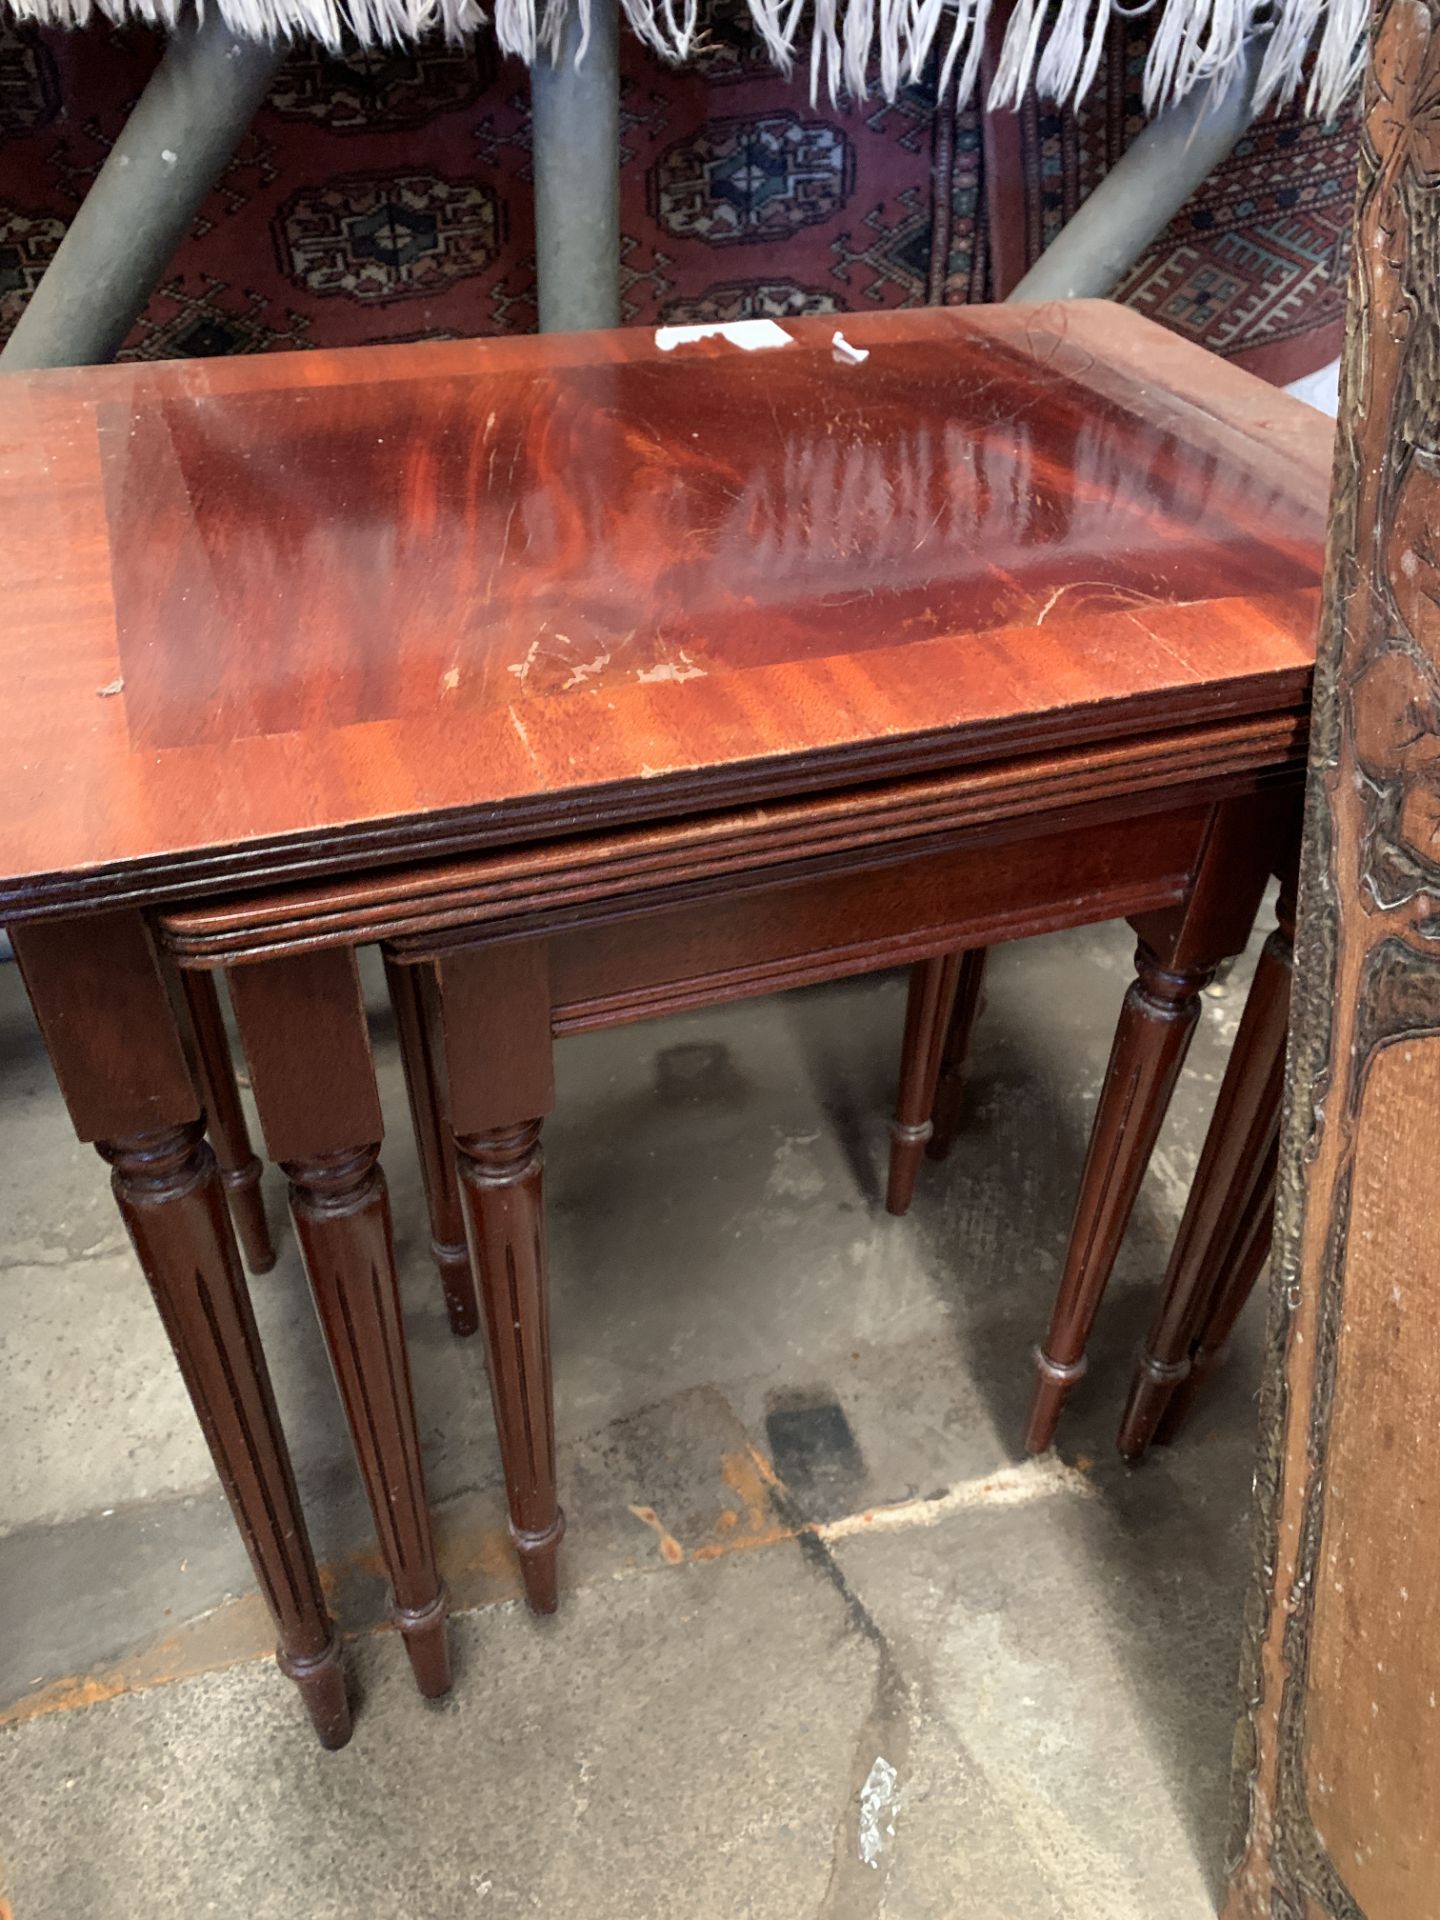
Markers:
{"x": 855, "y": 1889}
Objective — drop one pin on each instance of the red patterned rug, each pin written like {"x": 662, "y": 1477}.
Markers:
{"x": 385, "y": 195}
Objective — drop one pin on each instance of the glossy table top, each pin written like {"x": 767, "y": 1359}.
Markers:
{"x": 279, "y": 615}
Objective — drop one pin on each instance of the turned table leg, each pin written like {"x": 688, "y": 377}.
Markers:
{"x": 495, "y": 1005}
{"x": 1180, "y": 948}
{"x": 414, "y": 997}
{"x": 949, "y": 1102}
{"x": 302, "y": 1021}
{"x": 240, "y": 1170}
{"x": 1245, "y": 1257}
{"x": 1241, "y": 1137}
{"x": 100, "y": 997}
{"x": 1151, "y": 1040}
{"x": 933, "y": 985}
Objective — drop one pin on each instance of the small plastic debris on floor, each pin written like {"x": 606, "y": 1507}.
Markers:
{"x": 879, "y": 1804}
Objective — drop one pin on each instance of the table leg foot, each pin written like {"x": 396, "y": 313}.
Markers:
{"x": 321, "y": 1681}
{"x": 907, "y": 1149}
{"x": 247, "y": 1210}
{"x": 1155, "y": 1381}
{"x": 427, "y": 1642}
{"x": 457, "y": 1283}
{"x": 539, "y": 1565}
{"x": 1204, "y": 1364}
{"x": 1053, "y": 1381}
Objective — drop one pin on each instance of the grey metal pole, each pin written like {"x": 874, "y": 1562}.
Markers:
{"x": 1145, "y": 189}
{"x": 576, "y": 118}
{"x": 180, "y": 135}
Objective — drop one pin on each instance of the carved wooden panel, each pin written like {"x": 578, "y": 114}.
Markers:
{"x": 1338, "y": 1812}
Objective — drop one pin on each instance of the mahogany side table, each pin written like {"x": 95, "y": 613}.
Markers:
{"x": 607, "y": 679}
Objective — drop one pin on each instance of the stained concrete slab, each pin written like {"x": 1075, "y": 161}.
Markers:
{"x": 1044, "y": 1658}
{"x": 590, "y": 1765}
{"x": 1072, "y": 1692}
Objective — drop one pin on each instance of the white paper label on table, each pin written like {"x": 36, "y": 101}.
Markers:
{"x": 749, "y": 334}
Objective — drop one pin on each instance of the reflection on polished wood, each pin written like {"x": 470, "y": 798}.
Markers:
{"x": 332, "y": 609}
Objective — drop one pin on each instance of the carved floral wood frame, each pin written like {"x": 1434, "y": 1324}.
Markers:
{"x": 1338, "y": 1751}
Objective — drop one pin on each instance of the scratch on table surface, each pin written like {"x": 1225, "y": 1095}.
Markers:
{"x": 521, "y": 668}
{"x": 113, "y": 687}
{"x": 1040, "y": 617}
{"x": 939, "y": 516}
{"x": 586, "y": 670}
{"x": 519, "y": 726}
{"x": 667, "y": 670}
{"x": 1126, "y": 597}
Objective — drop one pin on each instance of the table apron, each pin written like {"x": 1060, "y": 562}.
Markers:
{"x": 831, "y": 925}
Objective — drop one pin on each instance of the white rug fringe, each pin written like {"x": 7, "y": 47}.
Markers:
{"x": 1055, "y": 45}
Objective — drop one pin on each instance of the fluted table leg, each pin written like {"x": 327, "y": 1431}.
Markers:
{"x": 496, "y": 1014}
{"x": 302, "y": 1020}
{"x": 949, "y": 1102}
{"x": 927, "y": 1019}
{"x": 240, "y": 1170}
{"x": 1241, "y": 1139}
{"x": 414, "y": 997}
{"x": 1245, "y": 1258}
{"x": 1179, "y": 951}
{"x": 500, "y": 1176}
{"x": 101, "y": 999}
{"x": 1157, "y": 1021}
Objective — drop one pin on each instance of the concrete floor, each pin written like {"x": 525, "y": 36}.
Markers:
{"x": 978, "y": 1687}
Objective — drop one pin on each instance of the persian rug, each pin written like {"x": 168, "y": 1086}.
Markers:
{"x": 384, "y": 194}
